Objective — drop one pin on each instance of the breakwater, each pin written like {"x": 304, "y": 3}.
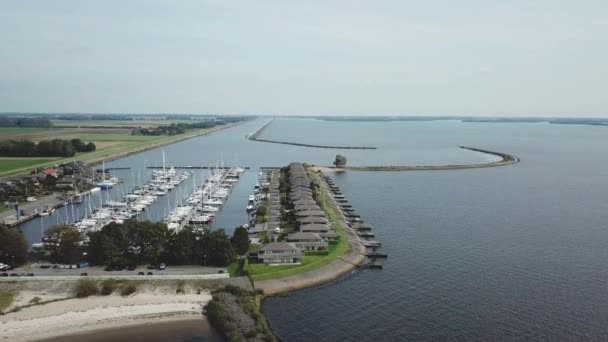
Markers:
{"x": 506, "y": 159}
{"x": 256, "y": 137}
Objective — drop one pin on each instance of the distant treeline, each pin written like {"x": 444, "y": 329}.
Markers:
{"x": 45, "y": 148}
{"x": 180, "y": 128}
{"x": 81, "y": 117}
{"x": 24, "y": 122}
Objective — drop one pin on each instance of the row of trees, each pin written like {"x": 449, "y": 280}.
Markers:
{"x": 180, "y": 128}
{"x": 172, "y": 129}
{"x": 24, "y": 122}
{"x": 45, "y": 148}
{"x": 144, "y": 242}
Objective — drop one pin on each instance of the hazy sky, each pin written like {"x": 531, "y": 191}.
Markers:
{"x": 484, "y": 57}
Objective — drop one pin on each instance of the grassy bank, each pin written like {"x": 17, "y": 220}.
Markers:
{"x": 236, "y": 313}
{"x": 8, "y": 164}
{"x": 259, "y": 272}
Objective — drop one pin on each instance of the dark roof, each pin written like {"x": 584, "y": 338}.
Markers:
{"x": 314, "y": 228}
{"x": 310, "y": 213}
{"x": 305, "y": 201}
{"x": 313, "y": 219}
{"x": 277, "y": 247}
{"x": 305, "y": 207}
{"x": 303, "y": 236}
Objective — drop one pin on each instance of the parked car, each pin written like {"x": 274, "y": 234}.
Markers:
{"x": 150, "y": 273}
{"x": 220, "y": 271}
{"x": 30, "y": 274}
{"x": 140, "y": 273}
{"x": 108, "y": 269}
{"x": 14, "y": 275}
{"x": 84, "y": 274}
{"x": 162, "y": 266}
{"x": 4, "y": 274}
{"x": 152, "y": 267}
{"x": 131, "y": 267}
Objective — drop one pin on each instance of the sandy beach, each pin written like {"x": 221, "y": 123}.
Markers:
{"x": 74, "y": 316}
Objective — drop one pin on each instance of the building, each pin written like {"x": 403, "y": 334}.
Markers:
{"x": 280, "y": 253}
{"x": 307, "y": 241}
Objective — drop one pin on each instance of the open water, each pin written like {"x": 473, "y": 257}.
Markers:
{"x": 508, "y": 253}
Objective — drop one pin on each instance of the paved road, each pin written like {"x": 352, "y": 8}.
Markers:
{"x": 8, "y": 216}
{"x": 120, "y": 276}
{"x": 99, "y": 271}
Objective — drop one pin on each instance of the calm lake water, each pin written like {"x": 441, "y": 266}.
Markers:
{"x": 509, "y": 253}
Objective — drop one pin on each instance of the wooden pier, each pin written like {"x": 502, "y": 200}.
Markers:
{"x": 363, "y": 230}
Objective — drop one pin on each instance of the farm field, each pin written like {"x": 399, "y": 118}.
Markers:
{"x": 110, "y": 142}
{"x": 115, "y": 123}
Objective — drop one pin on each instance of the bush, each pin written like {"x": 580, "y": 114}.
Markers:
{"x": 180, "y": 287}
{"x": 128, "y": 289}
{"x": 108, "y": 287}
{"x": 85, "y": 288}
{"x": 35, "y": 300}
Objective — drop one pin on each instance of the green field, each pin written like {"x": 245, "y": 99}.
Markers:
{"x": 12, "y": 163}
{"x": 115, "y": 123}
{"x": 112, "y": 137}
{"x": 8, "y": 131}
{"x": 259, "y": 272}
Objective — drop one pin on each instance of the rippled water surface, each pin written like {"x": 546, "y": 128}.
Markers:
{"x": 508, "y": 253}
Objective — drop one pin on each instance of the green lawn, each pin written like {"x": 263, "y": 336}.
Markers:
{"x": 259, "y": 272}
{"x": 8, "y": 164}
{"x": 5, "y": 132}
{"x": 6, "y": 299}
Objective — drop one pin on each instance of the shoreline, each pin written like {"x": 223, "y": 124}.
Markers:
{"x": 100, "y": 313}
{"x": 254, "y": 137}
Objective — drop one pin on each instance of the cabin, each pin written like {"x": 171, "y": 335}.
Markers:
{"x": 314, "y": 213}
{"x": 307, "y": 241}
{"x": 305, "y": 202}
{"x": 51, "y": 172}
{"x": 304, "y": 207}
{"x": 312, "y": 220}
{"x": 280, "y": 253}
{"x": 315, "y": 228}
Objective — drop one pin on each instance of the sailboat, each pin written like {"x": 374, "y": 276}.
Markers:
{"x": 105, "y": 184}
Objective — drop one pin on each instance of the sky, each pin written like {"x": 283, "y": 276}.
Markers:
{"x": 466, "y": 57}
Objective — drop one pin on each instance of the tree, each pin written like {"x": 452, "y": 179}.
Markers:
{"x": 217, "y": 248}
{"x": 78, "y": 145}
{"x": 340, "y": 161}
{"x": 240, "y": 240}
{"x": 63, "y": 244}
{"x": 13, "y": 246}
{"x": 90, "y": 147}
